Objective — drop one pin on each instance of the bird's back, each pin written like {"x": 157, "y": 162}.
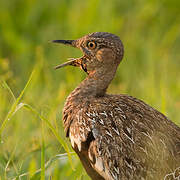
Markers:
{"x": 121, "y": 137}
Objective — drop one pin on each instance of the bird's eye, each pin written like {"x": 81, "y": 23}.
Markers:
{"x": 91, "y": 45}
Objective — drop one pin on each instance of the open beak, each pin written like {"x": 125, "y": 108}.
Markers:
{"x": 72, "y": 61}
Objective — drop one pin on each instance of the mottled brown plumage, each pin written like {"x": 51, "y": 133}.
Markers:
{"x": 116, "y": 136}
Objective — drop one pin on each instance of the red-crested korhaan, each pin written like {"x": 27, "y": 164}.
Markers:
{"x": 117, "y": 137}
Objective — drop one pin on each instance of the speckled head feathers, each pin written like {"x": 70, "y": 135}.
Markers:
{"x": 100, "y": 50}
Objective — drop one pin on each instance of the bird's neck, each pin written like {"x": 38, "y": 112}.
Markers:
{"x": 95, "y": 85}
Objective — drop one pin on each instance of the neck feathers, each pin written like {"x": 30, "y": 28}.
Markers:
{"x": 95, "y": 85}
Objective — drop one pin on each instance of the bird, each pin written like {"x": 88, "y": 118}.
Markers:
{"x": 116, "y": 137}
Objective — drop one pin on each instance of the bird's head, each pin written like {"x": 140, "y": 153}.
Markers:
{"x": 101, "y": 51}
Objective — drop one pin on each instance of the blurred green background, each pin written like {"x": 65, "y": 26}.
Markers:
{"x": 32, "y": 137}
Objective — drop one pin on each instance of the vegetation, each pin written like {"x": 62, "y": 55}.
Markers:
{"x": 33, "y": 144}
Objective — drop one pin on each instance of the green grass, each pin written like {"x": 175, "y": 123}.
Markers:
{"x": 33, "y": 144}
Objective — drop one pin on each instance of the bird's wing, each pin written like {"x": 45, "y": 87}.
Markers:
{"x": 121, "y": 137}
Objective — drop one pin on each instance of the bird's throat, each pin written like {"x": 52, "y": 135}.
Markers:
{"x": 95, "y": 85}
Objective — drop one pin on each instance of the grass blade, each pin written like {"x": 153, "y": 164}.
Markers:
{"x": 47, "y": 164}
{"x": 5, "y": 85}
{"x": 42, "y": 154}
{"x": 61, "y": 141}
{"x": 14, "y": 106}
